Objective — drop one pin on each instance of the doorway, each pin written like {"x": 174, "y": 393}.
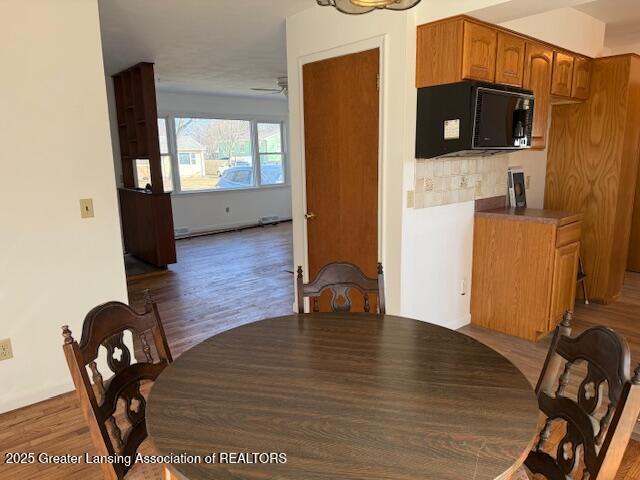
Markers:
{"x": 341, "y": 128}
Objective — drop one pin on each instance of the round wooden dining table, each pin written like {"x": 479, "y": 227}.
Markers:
{"x": 342, "y": 396}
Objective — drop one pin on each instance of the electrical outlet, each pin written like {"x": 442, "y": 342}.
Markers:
{"x": 5, "y": 349}
{"x": 86, "y": 208}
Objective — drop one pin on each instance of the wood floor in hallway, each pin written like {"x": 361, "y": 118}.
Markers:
{"x": 226, "y": 280}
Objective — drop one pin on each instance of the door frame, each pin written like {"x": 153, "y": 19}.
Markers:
{"x": 377, "y": 42}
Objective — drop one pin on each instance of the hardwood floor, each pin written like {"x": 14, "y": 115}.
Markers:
{"x": 230, "y": 279}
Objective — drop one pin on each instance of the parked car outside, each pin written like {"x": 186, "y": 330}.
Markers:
{"x": 232, "y": 163}
{"x": 242, "y": 176}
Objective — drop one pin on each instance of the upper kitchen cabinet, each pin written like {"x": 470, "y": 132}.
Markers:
{"x": 453, "y": 50}
{"x": 538, "y": 68}
{"x": 510, "y": 59}
{"x": 479, "y": 52}
{"x": 562, "y": 79}
{"x": 580, "y": 86}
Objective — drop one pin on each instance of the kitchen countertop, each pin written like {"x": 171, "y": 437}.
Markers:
{"x": 554, "y": 217}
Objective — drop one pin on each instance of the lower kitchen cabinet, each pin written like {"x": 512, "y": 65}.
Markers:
{"x": 525, "y": 265}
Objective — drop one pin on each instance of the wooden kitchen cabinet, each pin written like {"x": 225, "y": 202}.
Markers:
{"x": 581, "y": 84}
{"x": 563, "y": 291}
{"x": 538, "y": 68}
{"x": 510, "y": 59}
{"x": 479, "y": 52}
{"x": 455, "y": 49}
{"x": 562, "y": 78}
{"x": 524, "y": 270}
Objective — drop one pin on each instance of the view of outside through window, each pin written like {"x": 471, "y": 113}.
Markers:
{"x": 167, "y": 179}
{"x": 218, "y": 153}
{"x": 271, "y": 153}
{"x": 142, "y": 169}
{"x": 214, "y": 153}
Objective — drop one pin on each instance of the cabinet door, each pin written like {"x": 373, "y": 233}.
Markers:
{"x": 479, "y": 52}
{"x": 537, "y": 78}
{"x": 510, "y": 60}
{"x": 562, "y": 79}
{"x": 563, "y": 292}
{"x": 581, "y": 78}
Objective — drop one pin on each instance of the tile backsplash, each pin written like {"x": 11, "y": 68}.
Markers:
{"x": 441, "y": 181}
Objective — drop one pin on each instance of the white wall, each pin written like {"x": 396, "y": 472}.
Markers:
{"x": 56, "y": 150}
{"x": 565, "y": 27}
{"x": 207, "y": 211}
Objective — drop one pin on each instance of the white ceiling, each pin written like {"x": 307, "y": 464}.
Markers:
{"x": 622, "y": 18}
{"x": 221, "y": 46}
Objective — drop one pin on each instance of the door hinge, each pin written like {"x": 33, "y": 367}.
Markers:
{"x": 378, "y": 81}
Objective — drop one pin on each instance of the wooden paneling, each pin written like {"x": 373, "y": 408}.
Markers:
{"x": 439, "y": 53}
{"x": 479, "y": 52}
{"x": 563, "y": 292}
{"x": 341, "y": 126}
{"x": 592, "y": 168}
{"x": 562, "y": 78}
{"x": 510, "y": 59}
{"x": 633, "y": 262}
{"x": 581, "y": 83}
{"x": 537, "y": 78}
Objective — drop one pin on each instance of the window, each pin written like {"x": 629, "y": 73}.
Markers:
{"x": 209, "y": 154}
{"x": 142, "y": 172}
{"x": 271, "y": 153}
{"x": 207, "y": 148}
{"x": 165, "y": 158}
{"x": 188, "y": 158}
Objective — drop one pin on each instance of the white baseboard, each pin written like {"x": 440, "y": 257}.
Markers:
{"x": 34, "y": 396}
{"x": 460, "y": 322}
{"x": 227, "y": 227}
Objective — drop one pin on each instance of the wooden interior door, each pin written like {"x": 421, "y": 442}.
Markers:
{"x": 341, "y": 127}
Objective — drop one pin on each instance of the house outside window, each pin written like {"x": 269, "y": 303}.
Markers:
{"x": 217, "y": 154}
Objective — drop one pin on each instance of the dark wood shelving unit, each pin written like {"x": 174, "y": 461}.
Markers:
{"x": 147, "y": 217}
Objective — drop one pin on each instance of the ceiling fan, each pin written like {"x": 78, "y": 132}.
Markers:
{"x": 283, "y": 87}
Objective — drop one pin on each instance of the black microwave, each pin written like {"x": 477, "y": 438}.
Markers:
{"x": 472, "y": 118}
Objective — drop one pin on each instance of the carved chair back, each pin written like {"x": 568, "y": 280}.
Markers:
{"x": 105, "y": 326}
{"x": 599, "y": 417}
{"x": 340, "y": 278}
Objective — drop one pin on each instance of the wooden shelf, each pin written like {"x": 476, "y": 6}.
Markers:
{"x": 138, "y": 131}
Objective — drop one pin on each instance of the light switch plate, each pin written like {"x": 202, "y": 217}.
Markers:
{"x": 86, "y": 208}
{"x": 6, "y": 352}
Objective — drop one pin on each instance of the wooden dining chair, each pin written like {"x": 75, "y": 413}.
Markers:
{"x": 592, "y": 425}
{"x": 105, "y": 326}
{"x": 340, "y": 278}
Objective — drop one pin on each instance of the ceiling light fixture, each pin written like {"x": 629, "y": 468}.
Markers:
{"x": 356, "y": 7}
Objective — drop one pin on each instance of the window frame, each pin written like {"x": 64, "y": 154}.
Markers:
{"x": 254, "y": 120}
